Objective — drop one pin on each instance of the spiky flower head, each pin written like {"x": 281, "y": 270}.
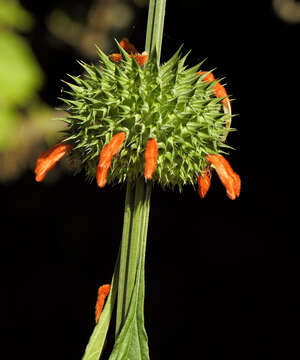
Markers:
{"x": 136, "y": 116}
{"x": 170, "y": 103}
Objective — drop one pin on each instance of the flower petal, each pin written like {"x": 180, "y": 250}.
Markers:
{"x": 116, "y": 142}
{"x": 237, "y": 184}
{"x": 127, "y": 46}
{"x": 220, "y": 92}
{"x": 151, "y": 154}
{"x": 115, "y": 57}
{"x": 204, "y": 183}
{"x": 106, "y": 155}
{"x": 141, "y": 59}
{"x": 228, "y": 177}
{"x": 219, "y": 89}
{"x": 48, "y": 159}
{"x": 208, "y": 78}
{"x": 103, "y": 291}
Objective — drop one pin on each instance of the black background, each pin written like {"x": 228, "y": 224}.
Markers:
{"x": 221, "y": 275}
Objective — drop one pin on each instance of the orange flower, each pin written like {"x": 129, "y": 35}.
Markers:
{"x": 127, "y": 46}
{"x": 103, "y": 165}
{"x": 150, "y": 158}
{"x": 115, "y": 57}
{"x": 237, "y": 182}
{"x": 204, "y": 183}
{"x": 229, "y": 178}
{"x": 103, "y": 291}
{"x": 106, "y": 155}
{"x": 48, "y": 159}
{"x": 141, "y": 59}
{"x": 219, "y": 89}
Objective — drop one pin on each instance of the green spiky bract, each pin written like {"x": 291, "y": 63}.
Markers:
{"x": 170, "y": 103}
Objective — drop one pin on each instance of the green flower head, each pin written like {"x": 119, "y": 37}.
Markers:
{"x": 179, "y": 115}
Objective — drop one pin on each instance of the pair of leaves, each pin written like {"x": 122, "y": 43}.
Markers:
{"x": 132, "y": 342}
{"x": 131, "y": 338}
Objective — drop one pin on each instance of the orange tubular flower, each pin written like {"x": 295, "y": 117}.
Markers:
{"x": 106, "y": 155}
{"x": 127, "y": 46}
{"x": 141, "y": 59}
{"x": 150, "y": 158}
{"x": 103, "y": 291}
{"x": 237, "y": 182}
{"x": 219, "y": 89}
{"x": 229, "y": 178}
{"x": 204, "y": 183}
{"x": 115, "y": 57}
{"x": 48, "y": 159}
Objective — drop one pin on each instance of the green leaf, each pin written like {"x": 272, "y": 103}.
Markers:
{"x": 132, "y": 342}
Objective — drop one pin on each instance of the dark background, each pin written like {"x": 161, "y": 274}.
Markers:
{"x": 221, "y": 275}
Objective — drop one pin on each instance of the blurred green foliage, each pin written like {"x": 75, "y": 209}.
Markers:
{"x": 24, "y": 117}
{"x": 20, "y": 74}
{"x": 13, "y": 15}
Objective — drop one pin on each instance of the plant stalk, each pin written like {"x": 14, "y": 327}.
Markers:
{"x": 155, "y": 26}
{"x": 137, "y": 202}
{"x": 128, "y": 283}
{"x": 137, "y": 207}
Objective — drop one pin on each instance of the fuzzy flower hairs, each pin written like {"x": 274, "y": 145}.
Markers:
{"x": 131, "y": 117}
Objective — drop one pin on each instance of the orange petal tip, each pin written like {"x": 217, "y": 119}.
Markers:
{"x": 208, "y": 78}
{"x": 203, "y": 183}
{"x": 106, "y": 155}
{"x": 116, "y": 57}
{"x": 141, "y": 59}
{"x": 151, "y": 154}
{"x": 228, "y": 177}
{"x": 48, "y": 159}
{"x": 101, "y": 175}
{"x": 127, "y": 46}
{"x": 103, "y": 291}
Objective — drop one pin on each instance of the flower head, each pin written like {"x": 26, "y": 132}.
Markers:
{"x": 130, "y": 116}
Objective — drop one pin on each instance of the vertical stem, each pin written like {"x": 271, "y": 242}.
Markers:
{"x": 137, "y": 206}
{"x": 155, "y": 26}
{"x": 137, "y": 236}
{"x": 137, "y": 202}
{"x": 127, "y": 224}
{"x": 144, "y": 230}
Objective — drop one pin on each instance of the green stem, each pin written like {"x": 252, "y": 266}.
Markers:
{"x": 137, "y": 207}
{"x": 129, "y": 207}
{"x": 137, "y": 202}
{"x": 155, "y": 26}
